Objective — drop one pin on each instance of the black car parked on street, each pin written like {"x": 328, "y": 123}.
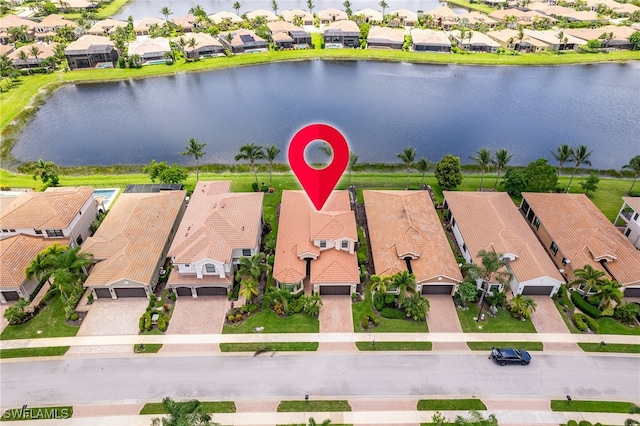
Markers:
{"x": 506, "y": 356}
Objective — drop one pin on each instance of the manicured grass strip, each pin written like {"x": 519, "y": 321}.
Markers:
{"x": 37, "y": 413}
{"x": 149, "y": 348}
{"x": 300, "y": 406}
{"x": 31, "y": 352}
{"x": 607, "y": 325}
{"x": 269, "y": 347}
{"x": 591, "y": 406}
{"x": 48, "y": 323}
{"x": 394, "y": 346}
{"x": 297, "y": 323}
{"x": 486, "y": 346}
{"x": 207, "y": 407}
{"x": 502, "y": 323}
{"x": 450, "y": 404}
{"x": 610, "y": 347}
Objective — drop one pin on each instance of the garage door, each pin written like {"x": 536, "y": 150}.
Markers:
{"x": 183, "y": 291}
{"x": 534, "y": 290}
{"x": 103, "y": 293}
{"x": 330, "y": 290}
{"x": 130, "y": 292}
{"x": 632, "y": 292}
{"x": 11, "y": 296}
{"x": 211, "y": 291}
{"x": 437, "y": 289}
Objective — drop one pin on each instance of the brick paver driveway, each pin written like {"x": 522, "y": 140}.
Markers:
{"x": 113, "y": 317}
{"x": 3, "y": 321}
{"x": 547, "y": 319}
{"x": 335, "y": 317}
{"x": 442, "y": 318}
{"x": 204, "y": 315}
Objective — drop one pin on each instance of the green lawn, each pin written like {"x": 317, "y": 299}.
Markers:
{"x": 37, "y": 413}
{"x": 394, "y": 346}
{"x": 269, "y": 347}
{"x": 297, "y": 323}
{"x": 208, "y": 407}
{"x": 608, "y": 325}
{"x": 387, "y": 325}
{"x": 48, "y": 323}
{"x": 34, "y": 352}
{"x": 591, "y": 406}
{"x": 313, "y": 405}
{"x": 502, "y": 323}
{"x": 450, "y": 404}
{"x": 486, "y": 346}
{"x": 610, "y": 347}
{"x": 149, "y": 348}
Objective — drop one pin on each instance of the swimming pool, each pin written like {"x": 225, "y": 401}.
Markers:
{"x": 107, "y": 196}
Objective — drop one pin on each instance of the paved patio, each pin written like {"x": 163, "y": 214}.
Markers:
{"x": 335, "y": 317}
{"x": 547, "y": 319}
{"x": 442, "y": 318}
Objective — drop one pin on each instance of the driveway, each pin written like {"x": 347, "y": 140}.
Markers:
{"x": 3, "y": 321}
{"x": 113, "y": 317}
{"x": 442, "y": 318}
{"x": 547, "y": 319}
{"x": 204, "y": 315}
{"x": 335, "y": 317}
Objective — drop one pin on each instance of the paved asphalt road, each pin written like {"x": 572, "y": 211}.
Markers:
{"x": 75, "y": 380}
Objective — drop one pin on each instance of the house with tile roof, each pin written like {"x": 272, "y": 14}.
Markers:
{"x": 46, "y": 51}
{"x": 63, "y": 213}
{"x": 106, "y": 27}
{"x": 150, "y": 49}
{"x": 221, "y": 17}
{"x": 316, "y": 250}
{"x": 327, "y": 16}
{"x": 14, "y": 21}
{"x": 385, "y": 38}
{"x": 50, "y": 24}
{"x": 490, "y": 221}
{"x": 286, "y": 35}
{"x": 302, "y": 16}
{"x": 243, "y": 41}
{"x": 429, "y": 41}
{"x": 130, "y": 247}
{"x": 575, "y": 233}
{"x": 343, "y": 33}
{"x": 91, "y": 51}
{"x": 628, "y": 220}
{"x": 218, "y": 228}
{"x": 205, "y": 45}
{"x": 405, "y": 234}
{"x": 16, "y": 254}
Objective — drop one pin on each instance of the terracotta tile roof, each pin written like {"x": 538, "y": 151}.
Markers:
{"x": 490, "y": 221}
{"x": 633, "y": 202}
{"x": 177, "y": 279}
{"x": 54, "y": 208}
{"x": 266, "y": 14}
{"x": 133, "y": 236}
{"x": 299, "y": 224}
{"x": 332, "y": 14}
{"x": 16, "y": 254}
{"x": 106, "y": 25}
{"x": 584, "y": 234}
{"x": 56, "y": 21}
{"x": 216, "y": 222}
{"x": 13, "y": 21}
{"x": 224, "y": 15}
{"x": 405, "y": 223}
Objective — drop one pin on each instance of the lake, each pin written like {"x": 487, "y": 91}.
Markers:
{"x": 380, "y": 108}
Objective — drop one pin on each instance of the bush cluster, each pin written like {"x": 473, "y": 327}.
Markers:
{"x": 366, "y": 319}
{"x": 584, "y": 322}
{"x": 585, "y": 306}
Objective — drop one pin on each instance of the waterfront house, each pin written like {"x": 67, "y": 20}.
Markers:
{"x": 218, "y": 228}
{"x": 205, "y": 45}
{"x": 143, "y": 26}
{"x": 261, "y": 13}
{"x": 619, "y": 40}
{"x": 68, "y": 5}
{"x": 405, "y": 234}
{"x": 106, "y": 27}
{"x": 62, "y": 213}
{"x": 628, "y": 220}
{"x": 443, "y": 16}
{"x": 45, "y": 51}
{"x": 385, "y": 38}
{"x": 474, "y": 19}
{"x": 552, "y": 39}
{"x": 91, "y": 51}
{"x": 316, "y": 250}
{"x": 429, "y": 41}
{"x": 490, "y": 221}
{"x": 479, "y": 42}
{"x": 221, "y": 17}
{"x": 298, "y": 16}
{"x": 327, "y": 16}
{"x": 150, "y": 49}
{"x": 575, "y": 233}
{"x": 286, "y": 35}
{"x": 14, "y": 21}
{"x": 50, "y": 24}
{"x": 130, "y": 247}
{"x": 571, "y": 15}
{"x": 513, "y": 18}
{"x": 243, "y": 41}
{"x": 341, "y": 34}
{"x": 509, "y": 39}
{"x": 187, "y": 23}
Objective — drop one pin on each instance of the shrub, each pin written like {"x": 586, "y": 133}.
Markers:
{"x": 390, "y": 299}
{"x": 75, "y": 316}
{"x": 585, "y": 423}
{"x": 152, "y": 301}
{"x": 90, "y": 298}
{"x": 141, "y": 323}
{"x": 147, "y": 321}
{"x": 585, "y": 306}
{"x": 584, "y": 322}
{"x": 231, "y": 317}
{"x": 572, "y": 423}
{"x": 392, "y": 313}
{"x": 16, "y": 314}
{"x": 255, "y": 187}
{"x": 364, "y": 321}
{"x": 627, "y": 312}
{"x": 375, "y": 320}
{"x": 362, "y": 258}
{"x": 172, "y": 296}
{"x": 379, "y": 302}
{"x": 163, "y": 322}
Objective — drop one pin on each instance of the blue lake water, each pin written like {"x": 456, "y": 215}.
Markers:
{"x": 379, "y": 107}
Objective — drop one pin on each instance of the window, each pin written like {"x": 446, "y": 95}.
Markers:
{"x": 494, "y": 288}
{"x": 627, "y": 232}
{"x": 210, "y": 268}
{"x": 38, "y": 231}
{"x": 12, "y": 230}
{"x": 54, "y": 233}
{"x": 536, "y": 222}
{"x": 79, "y": 240}
{"x": 323, "y": 244}
{"x": 464, "y": 248}
{"x": 246, "y": 252}
{"x": 345, "y": 244}
{"x": 187, "y": 266}
{"x": 635, "y": 216}
{"x": 554, "y": 247}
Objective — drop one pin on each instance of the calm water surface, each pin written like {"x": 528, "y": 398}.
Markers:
{"x": 379, "y": 107}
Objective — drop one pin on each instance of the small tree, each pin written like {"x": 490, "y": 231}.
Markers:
{"x": 16, "y": 314}
{"x": 541, "y": 176}
{"x": 423, "y": 167}
{"x": 154, "y": 169}
{"x": 408, "y": 156}
{"x": 467, "y": 292}
{"x": 271, "y": 154}
{"x": 591, "y": 184}
{"x": 522, "y": 307}
{"x": 311, "y": 305}
{"x": 251, "y": 152}
{"x": 500, "y": 159}
{"x": 449, "y": 172}
{"x": 515, "y": 182}
{"x": 581, "y": 155}
{"x": 195, "y": 149}
{"x": 634, "y": 166}
{"x": 173, "y": 174}
{"x": 353, "y": 160}
{"x": 483, "y": 158}
{"x": 416, "y": 307}
{"x": 184, "y": 413}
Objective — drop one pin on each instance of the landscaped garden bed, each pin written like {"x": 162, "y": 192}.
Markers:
{"x": 158, "y": 313}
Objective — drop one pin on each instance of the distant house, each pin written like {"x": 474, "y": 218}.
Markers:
{"x": 91, "y": 51}
{"x": 187, "y": 22}
{"x": 385, "y": 38}
{"x": 221, "y": 17}
{"x": 429, "y": 41}
{"x": 206, "y": 46}
{"x": 571, "y": 15}
{"x": 443, "y": 16}
{"x": 341, "y": 34}
{"x": 479, "y": 42}
{"x": 551, "y": 37}
{"x": 315, "y": 250}
{"x": 575, "y": 233}
{"x": 14, "y": 21}
{"x": 142, "y": 26}
{"x": 298, "y": 15}
{"x": 150, "y": 49}
{"x": 370, "y": 15}
{"x": 620, "y": 39}
{"x": 50, "y": 24}
{"x": 474, "y": 19}
{"x": 628, "y": 219}
{"x": 327, "y": 16}
{"x": 405, "y": 234}
{"x": 261, "y": 13}
{"x": 286, "y": 35}
{"x": 106, "y": 27}
{"x": 218, "y": 228}
{"x": 490, "y": 221}
{"x": 16, "y": 254}
{"x": 406, "y": 18}
{"x": 243, "y": 41}
{"x": 523, "y": 18}
{"x": 63, "y": 213}
{"x": 45, "y": 51}
{"x": 509, "y": 39}
{"x": 130, "y": 247}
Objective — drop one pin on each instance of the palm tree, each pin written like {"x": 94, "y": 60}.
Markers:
{"x": 251, "y": 152}
{"x": 195, "y": 149}
{"x": 581, "y": 156}
{"x": 191, "y": 44}
{"x": 311, "y": 305}
{"x": 274, "y": 6}
{"x": 483, "y": 158}
{"x": 353, "y": 159}
{"x": 38, "y": 268}
{"x": 249, "y": 271}
{"x": 423, "y": 167}
{"x": 634, "y": 165}
{"x": 24, "y": 57}
{"x": 6, "y": 67}
{"x": 64, "y": 282}
{"x": 492, "y": 269}
{"x": 248, "y": 289}
{"x": 310, "y": 5}
{"x": 347, "y": 7}
{"x": 313, "y": 422}
{"x": 165, "y": 11}
{"x": 35, "y": 51}
{"x": 383, "y": 4}
{"x": 44, "y": 170}
{"x": 408, "y": 156}
{"x": 405, "y": 283}
{"x": 183, "y": 413}
{"x": 379, "y": 284}
{"x": 501, "y": 159}
{"x": 71, "y": 260}
{"x": 587, "y": 278}
{"x": 562, "y": 154}
{"x": 326, "y": 149}
{"x": 272, "y": 152}
{"x": 522, "y": 306}
{"x": 609, "y": 291}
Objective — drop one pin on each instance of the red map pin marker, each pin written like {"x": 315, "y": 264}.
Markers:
{"x": 318, "y": 183}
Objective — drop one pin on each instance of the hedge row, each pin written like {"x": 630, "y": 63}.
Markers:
{"x": 584, "y": 322}
{"x": 585, "y": 306}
